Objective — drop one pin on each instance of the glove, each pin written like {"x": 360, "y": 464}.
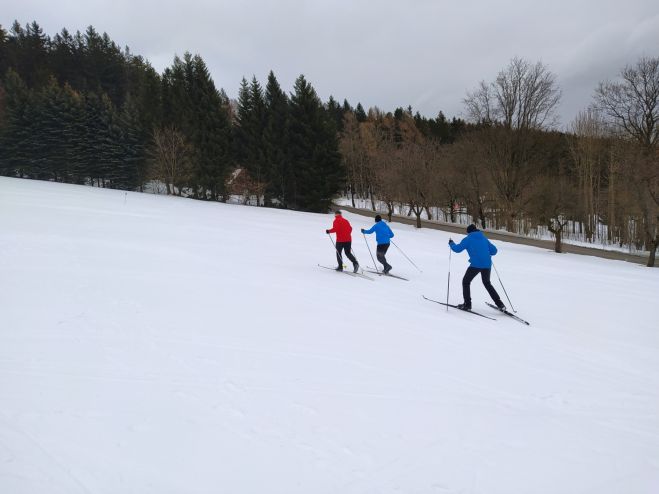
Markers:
{"x": 363, "y": 230}
{"x": 450, "y": 241}
{"x": 327, "y": 231}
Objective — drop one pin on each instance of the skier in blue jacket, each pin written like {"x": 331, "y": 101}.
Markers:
{"x": 383, "y": 236}
{"x": 480, "y": 251}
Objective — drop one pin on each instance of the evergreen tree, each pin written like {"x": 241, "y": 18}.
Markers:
{"x": 336, "y": 113}
{"x": 4, "y": 65}
{"x": 16, "y": 131}
{"x": 256, "y": 162}
{"x": 193, "y": 105}
{"x": 27, "y": 54}
{"x": 346, "y": 107}
{"x": 275, "y": 142}
{"x": 317, "y": 170}
{"x": 360, "y": 113}
{"x": 242, "y": 130}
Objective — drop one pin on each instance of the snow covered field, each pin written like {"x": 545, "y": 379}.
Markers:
{"x": 152, "y": 344}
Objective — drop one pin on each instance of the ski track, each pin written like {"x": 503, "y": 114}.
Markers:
{"x": 154, "y": 344}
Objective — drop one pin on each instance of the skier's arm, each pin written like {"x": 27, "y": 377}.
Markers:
{"x": 493, "y": 249}
{"x": 391, "y": 233}
{"x": 459, "y": 247}
{"x": 370, "y": 230}
{"x": 333, "y": 229}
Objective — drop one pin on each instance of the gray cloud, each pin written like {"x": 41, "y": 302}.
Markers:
{"x": 385, "y": 53}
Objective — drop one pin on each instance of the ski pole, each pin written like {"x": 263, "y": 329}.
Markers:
{"x": 504, "y": 288}
{"x": 401, "y": 251}
{"x": 448, "y": 283}
{"x": 338, "y": 254}
{"x": 369, "y": 251}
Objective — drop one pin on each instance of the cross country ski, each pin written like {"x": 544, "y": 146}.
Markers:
{"x": 386, "y": 275}
{"x": 459, "y": 308}
{"x": 349, "y": 273}
{"x": 506, "y": 312}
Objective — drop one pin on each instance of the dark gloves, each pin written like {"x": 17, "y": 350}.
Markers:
{"x": 363, "y": 230}
{"x": 450, "y": 241}
{"x": 327, "y": 231}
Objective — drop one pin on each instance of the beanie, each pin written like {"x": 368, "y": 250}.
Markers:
{"x": 378, "y": 217}
{"x": 472, "y": 228}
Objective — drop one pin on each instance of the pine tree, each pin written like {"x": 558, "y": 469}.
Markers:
{"x": 317, "y": 169}
{"x": 207, "y": 126}
{"x": 335, "y": 112}
{"x": 275, "y": 142}
{"x": 360, "y": 113}
{"x": 16, "y": 132}
{"x": 4, "y": 62}
{"x": 242, "y": 130}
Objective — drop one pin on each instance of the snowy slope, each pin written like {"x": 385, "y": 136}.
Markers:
{"x": 151, "y": 344}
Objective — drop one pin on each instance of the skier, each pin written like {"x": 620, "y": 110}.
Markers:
{"x": 480, "y": 251}
{"x": 383, "y": 236}
{"x": 342, "y": 228}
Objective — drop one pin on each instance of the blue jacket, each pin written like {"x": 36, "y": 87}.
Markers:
{"x": 383, "y": 233}
{"x": 480, "y": 249}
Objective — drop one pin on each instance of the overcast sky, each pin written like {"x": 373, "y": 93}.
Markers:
{"x": 381, "y": 53}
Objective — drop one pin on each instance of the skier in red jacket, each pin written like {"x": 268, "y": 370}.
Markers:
{"x": 342, "y": 228}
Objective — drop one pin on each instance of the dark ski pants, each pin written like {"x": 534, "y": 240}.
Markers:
{"x": 347, "y": 247}
{"x": 380, "y": 252}
{"x": 485, "y": 276}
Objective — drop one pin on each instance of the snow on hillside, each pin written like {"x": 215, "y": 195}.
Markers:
{"x": 153, "y": 344}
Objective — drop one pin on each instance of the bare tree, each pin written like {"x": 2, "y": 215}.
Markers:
{"x": 469, "y": 170}
{"x": 523, "y": 96}
{"x": 354, "y": 154}
{"x": 641, "y": 174}
{"x": 510, "y": 160}
{"x": 515, "y": 107}
{"x": 420, "y": 167}
{"x": 170, "y": 159}
{"x": 587, "y": 143}
{"x": 551, "y": 204}
{"x": 632, "y": 103}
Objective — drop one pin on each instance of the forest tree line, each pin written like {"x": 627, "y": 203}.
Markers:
{"x": 78, "y": 108}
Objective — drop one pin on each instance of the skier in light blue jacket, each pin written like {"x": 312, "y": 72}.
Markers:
{"x": 383, "y": 236}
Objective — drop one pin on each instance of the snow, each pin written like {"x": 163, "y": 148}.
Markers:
{"x": 154, "y": 344}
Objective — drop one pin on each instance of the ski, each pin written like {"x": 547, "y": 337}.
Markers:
{"x": 517, "y": 318}
{"x": 356, "y": 275}
{"x": 382, "y": 273}
{"x": 456, "y": 307}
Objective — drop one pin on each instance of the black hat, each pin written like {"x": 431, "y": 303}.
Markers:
{"x": 337, "y": 212}
{"x": 378, "y": 217}
{"x": 472, "y": 228}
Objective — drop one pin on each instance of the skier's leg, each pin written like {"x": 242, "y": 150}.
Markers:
{"x": 381, "y": 251}
{"x": 470, "y": 274}
{"x": 349, "y": 255}
{"x": 485, "y": 276}
{"x": 339, "y": 257}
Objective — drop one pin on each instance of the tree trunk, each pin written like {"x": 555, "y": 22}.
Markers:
{"x": 352, "y": 195}
{"x": 558, "y": 247}
{"x": 370, "y": 193}
{"x": 390, "y": 210}
{"x": 417, "y": 213}
{"x": 653, "y": 252}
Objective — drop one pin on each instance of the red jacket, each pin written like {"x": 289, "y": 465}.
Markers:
{"x": 342, "y": 228}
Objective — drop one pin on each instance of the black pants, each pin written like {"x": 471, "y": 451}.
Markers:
{"x": 485, "y": 276}
{"x": 347, "y": 247}
{"x": 380, "y": 252}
